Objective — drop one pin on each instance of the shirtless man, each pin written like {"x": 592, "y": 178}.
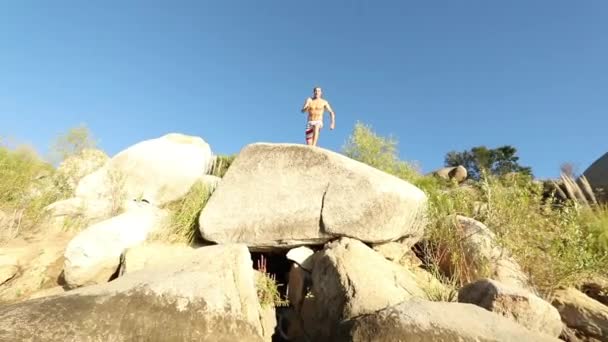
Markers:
{"x": 316, "y": 106}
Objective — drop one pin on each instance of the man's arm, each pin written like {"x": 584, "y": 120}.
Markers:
{"x": 332, "y": 113}
{"x": 306, "y": 104}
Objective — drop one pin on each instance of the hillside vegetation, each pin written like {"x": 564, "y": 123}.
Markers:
{"x": 557, "y": 242}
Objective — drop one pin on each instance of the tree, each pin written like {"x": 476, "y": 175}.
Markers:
{"x": 73, "y": 142}
{"x": 498, "y": 161}
{"x": 568, "y": 169}
{"x": 367, "y": 147}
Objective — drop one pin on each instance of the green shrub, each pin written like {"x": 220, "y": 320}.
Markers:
{"x": 367, "y": 147}
{"x": 26, "y": 187}
{"x": 72, "y": 142}
{"x": 595, "y": 221}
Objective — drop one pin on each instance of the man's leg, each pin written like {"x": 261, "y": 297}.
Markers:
{"x": 317, "y": 131}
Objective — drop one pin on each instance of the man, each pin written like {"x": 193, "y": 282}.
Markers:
{"x": 316, "y": 106}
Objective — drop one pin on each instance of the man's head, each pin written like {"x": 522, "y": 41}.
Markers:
{"x": 317, "y": 92}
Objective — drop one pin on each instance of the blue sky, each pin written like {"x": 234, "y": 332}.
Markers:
{"x": 437, "y": 75}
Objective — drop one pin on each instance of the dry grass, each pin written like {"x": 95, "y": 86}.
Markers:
{"x": 183, "y": 225}
{"x": 556, "y": 242}
{"x": 221, "y": 164}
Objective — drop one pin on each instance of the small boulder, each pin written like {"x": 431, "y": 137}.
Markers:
{"x": 514, "y": 303}
{"x": 457, "y": 173}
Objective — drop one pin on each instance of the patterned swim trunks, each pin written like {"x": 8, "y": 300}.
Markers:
{"x": 310, "y": 128}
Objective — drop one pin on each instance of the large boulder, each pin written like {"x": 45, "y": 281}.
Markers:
{"x": 514, "y": 303}
{"x": 485, "y": 258}
{"x": 93, "y": 256}
{"x": 425, "y": 321}
{"x": 209, "y": 296}
{"x": 158, "y": 170}
{"x": 597, "y": 172}
{"x": 586, "y": 316}
{"x": 351, "y": 279}
{"x": 285, "y": 195}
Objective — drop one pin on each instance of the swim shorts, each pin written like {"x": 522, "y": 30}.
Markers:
{"x": 310, "y": 128}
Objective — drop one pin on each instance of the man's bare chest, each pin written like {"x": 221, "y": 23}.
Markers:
{"x": 317, "y": 105}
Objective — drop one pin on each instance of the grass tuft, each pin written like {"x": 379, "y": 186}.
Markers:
{"x": 183, "y": 224}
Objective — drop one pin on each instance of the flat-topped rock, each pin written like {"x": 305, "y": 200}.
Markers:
{"x": 285, "y": 195}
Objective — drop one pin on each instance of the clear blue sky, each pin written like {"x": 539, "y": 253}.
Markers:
{"x": 438, "y": 75}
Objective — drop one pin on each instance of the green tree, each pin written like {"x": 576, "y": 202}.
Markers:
{"x": 480, "y": 159}
{"x": 367, "y": 147}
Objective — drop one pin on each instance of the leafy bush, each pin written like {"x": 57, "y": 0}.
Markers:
{"x": 25, "y": 189}
{"x": 367, "y": 147}
{"x": 74, "y": 141}
{"x": 28, "y": 183}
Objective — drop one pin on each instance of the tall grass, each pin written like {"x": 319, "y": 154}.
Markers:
{"x": 183, "y": 224}
{"x": 556, "y": 245}
{"x": 221, "y": 163}
{"x": 267, "y": 287}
